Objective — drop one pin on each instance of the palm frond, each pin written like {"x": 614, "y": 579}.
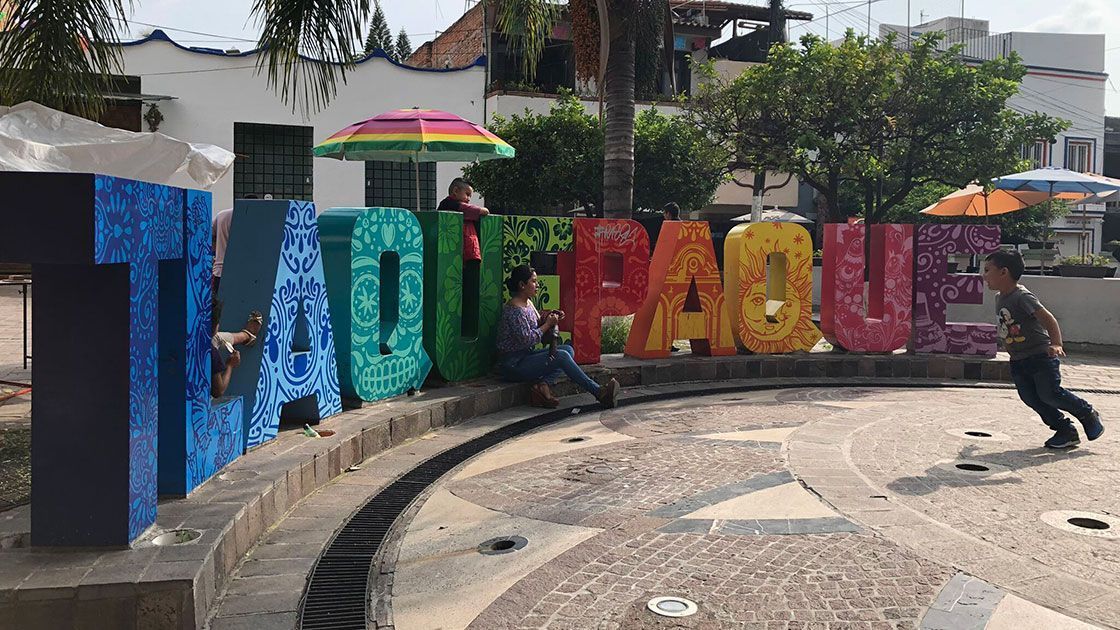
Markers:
{"x": 528, "y": 24}
{"x": 307, "y": 46}
{"x": 61, "y": 53}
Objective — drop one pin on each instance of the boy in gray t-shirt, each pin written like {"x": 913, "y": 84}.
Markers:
{"x": 1032, "y": 337}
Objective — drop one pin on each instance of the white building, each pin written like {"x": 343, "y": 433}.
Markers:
{"x": 1066, "y": 79}
{"x": 219, "y": 98}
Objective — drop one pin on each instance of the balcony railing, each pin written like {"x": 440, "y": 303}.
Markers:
{"x": 979, "y": 44}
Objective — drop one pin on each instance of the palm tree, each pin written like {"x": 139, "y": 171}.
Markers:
{"x": 74, "y": 43}
{"x": 617, "y": 27}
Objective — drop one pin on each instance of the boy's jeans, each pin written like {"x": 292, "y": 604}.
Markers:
{"x": 1039, "y": 381}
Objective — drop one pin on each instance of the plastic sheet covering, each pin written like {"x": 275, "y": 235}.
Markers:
{"x": 38, "y": 138}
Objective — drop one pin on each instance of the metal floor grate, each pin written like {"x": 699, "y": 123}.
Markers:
{"x": 337, "y": 592}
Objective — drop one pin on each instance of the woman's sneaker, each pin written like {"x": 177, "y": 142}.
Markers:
{"x": 1093, "y": 426}
{"x": 608, "y": 394}
{"x": 1064, "y": 438}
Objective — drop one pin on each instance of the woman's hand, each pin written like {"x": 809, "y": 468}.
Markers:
{"x": 552, "y": 320}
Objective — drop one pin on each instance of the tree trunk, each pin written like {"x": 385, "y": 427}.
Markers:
{"x": 618, "y": 153}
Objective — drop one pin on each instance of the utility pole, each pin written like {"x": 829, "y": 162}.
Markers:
{"x": 486, "y": 53}
{"x": 908, "y": 29}
{"x": 777, "y": 36}
{"x": 868, "y": 19}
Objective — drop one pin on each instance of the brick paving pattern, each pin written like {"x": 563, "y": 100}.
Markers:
{"x": 607, "y": 485}
{"x": 743, "y": 412}
{"x": 811, "y": 582}
{"x": 898, "y": 456}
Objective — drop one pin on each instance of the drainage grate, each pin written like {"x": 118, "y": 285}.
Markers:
{"x": 337, "y": 591}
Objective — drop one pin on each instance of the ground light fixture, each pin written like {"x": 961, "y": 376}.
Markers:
{"x": 1093, "y": 524}
{"x": 672, "y": 606}
{"x": 502, "y": 545}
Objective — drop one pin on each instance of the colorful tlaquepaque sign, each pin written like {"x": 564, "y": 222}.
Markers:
{"x": 611, "y": 278}
{"x": 391, "y": 289}
{"x": 461, "y": 306}
{"x": 274, "y": 265}
{"x": 685, "y": 296}
{"x": 769, "y": 268}
{"x": 935, "y": 288}
{"x": 883, "y": 324}
{"x": 373, "y": 260}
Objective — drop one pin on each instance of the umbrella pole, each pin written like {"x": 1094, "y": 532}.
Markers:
{"x": 416, "y": 176}
{"x": 1046, "y": 228}
{"x": 1084, "y": 230}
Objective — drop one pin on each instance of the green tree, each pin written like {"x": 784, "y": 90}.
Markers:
{"x": 62, "y": 53}
{"x": 673, "y": 162}
{"x": 867, "y": 116}
{"x": 558, "y": 164}
{"x": 558, "y": 167}
{"x": 403, "y": 47}
{"x": 614, "y": 30}
{"x": 379, "y": 37}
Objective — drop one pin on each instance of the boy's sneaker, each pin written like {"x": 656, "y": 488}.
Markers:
{"x": 1093, "y": 426}
{"x": 1065, "y": 438}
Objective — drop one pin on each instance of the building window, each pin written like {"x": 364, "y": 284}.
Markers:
{"x": 393, "y": 185}
{"x": 1037, "y": 153}
{"x": 272, "y": 160}
{"x": 1079, "y": 155}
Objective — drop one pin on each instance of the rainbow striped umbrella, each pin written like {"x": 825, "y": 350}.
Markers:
{"x": 415, "y": 135}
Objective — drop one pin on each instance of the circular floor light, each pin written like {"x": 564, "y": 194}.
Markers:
{"x": 502, "y": 545}
{"x": 978, "y": 435}
{"x": 176, "y": 537}
{"x": 672, "y": 606}
{"x": 1088, "y": 523}
{"x": 1093, "y": 524}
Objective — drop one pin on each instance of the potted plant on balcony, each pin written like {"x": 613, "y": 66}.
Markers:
{"x": 1087, "y": 266}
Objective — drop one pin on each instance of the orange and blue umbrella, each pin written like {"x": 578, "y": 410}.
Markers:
{"x": 415, "y": 135}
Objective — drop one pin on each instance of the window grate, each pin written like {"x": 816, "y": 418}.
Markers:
{"x": 273, "y": 160}
{"x": 393, "y": 185}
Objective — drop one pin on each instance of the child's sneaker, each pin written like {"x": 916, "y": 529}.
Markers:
{"x": 1093, "y": 426}
{"x": 1064, "y": 438}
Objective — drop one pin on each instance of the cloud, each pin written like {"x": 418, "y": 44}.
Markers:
{"x": 1081, "y": 16}
{"x": 1091, "y": 16}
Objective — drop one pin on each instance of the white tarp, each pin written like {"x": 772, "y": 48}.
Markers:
{"x": 38, "y": 138}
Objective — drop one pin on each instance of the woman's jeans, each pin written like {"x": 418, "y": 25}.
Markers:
{"x": 1039, "y": 381}
{"x": 534, "y": 366}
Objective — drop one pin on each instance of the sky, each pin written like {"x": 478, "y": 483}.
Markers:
{"x": 224, "y": 23}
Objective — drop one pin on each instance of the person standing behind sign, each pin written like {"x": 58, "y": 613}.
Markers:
{"x": 458, "y": 200}
{"x": 220, "y": 234}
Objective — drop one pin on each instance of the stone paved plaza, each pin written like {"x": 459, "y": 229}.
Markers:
{"x": 813, "y": 507}
{"x": 792, "y": 508}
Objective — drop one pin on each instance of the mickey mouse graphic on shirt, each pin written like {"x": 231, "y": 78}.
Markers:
{"x": 1009, "y": 329}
